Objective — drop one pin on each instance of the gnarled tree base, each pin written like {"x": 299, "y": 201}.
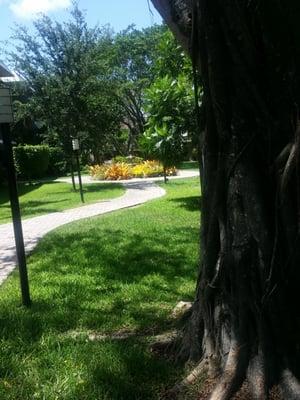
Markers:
{"x": 246, "y": 317}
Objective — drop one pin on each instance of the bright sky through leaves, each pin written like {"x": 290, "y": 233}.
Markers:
{"x": 118, "y": 13}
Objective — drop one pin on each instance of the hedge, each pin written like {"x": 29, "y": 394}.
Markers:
{"x": 57, "y": 162}
{"x": 31, "y": 161}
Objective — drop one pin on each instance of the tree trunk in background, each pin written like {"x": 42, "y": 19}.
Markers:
{"x": 165, "y": 174}
{"x": 246, "y": 315}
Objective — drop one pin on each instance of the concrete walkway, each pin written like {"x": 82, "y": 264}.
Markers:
{"x": 35, "y": 228}
{"x": 138, "y": 191}
{"x": 189, "y": 173}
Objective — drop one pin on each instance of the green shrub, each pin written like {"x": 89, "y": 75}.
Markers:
{"x": 57, "y": 162}
{"x": 32, "y": 161}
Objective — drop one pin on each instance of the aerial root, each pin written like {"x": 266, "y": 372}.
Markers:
{"x": 289, "y": 386}
{"x": 165, "y": 343}
{"x": 182, "y": 386}
{"x": 257, "y": 378}
{"x": 232, "y": 377}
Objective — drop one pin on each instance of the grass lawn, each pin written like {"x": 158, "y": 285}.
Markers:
{"x": 123, "y": 271}
{"x": 43, "y": 198}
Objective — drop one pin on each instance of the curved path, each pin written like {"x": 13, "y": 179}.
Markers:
{"x": 182, "y": 173}
{"x": 35, "y": 228}
{"x": 138, "y": 191}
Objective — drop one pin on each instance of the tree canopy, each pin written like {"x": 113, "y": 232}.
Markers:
{"x": 88, "y": 82}
{"x": 64, "y": 68}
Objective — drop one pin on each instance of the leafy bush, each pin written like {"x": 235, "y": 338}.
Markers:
{"x": 98, "y": 171}
{"x": 32, "y": 161}
{"x": 57, "y": 162}
{"x": 147, "y": 169}
{"x": 118, "y": 171}
{"x": 170, "y": 129}
{"x": 111, "y": 172}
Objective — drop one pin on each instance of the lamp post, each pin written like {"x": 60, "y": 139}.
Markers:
{"x": 6, "y": 118}
{"x": 75, "y": 146}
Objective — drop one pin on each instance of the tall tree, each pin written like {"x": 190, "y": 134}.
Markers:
{"x": 245, "y": 319}
{"x": 64, "y": 68}
{"x": 135, "y": 53}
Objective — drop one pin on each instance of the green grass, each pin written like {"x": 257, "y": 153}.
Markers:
{"x": 189, "y": 165}
{"x": 43, "y": 198}
{"x": 125, "y": 270}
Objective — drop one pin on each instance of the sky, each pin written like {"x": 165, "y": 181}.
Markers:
{"x": 118, "y": 13}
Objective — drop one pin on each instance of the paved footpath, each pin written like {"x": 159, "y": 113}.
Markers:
{"x": 137, "y": 192}
{"x": 183, "y": 173}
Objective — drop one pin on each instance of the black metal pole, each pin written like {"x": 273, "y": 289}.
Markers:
{"x": 79, "y": 176}
{"x": 16, "y": 215}
{"x": 72, "y": 173}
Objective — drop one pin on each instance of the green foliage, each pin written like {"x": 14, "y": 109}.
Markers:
{"x": 31, "y": 161}
{"x": 57, "y": 162}
{"x": 66, "y": 70}
{"x": 134, "y": 58}
{"x": 39, "y": 161}
{"x": 171, "y": 59}
{"x": 169, "y": 103}
{"x": 89, "y": 83}
{"x": 171, "y": 118}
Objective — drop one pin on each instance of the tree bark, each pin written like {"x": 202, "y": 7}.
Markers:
{"x": 165, "y": 174}
{"x": 245, "y": 321}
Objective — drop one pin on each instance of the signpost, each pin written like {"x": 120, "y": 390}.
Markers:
{"x": 6, "y": 117}
{"x": 75, "y": 146}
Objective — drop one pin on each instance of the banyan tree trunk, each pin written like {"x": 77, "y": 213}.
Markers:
{"x": 246, "y": 315}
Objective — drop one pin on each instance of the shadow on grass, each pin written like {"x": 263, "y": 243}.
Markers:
{"x": 107, "y": 287}
{"x": 22, "y": 189}
{"x": 52, "y": 198}
{"x": 128, "y": 276}
{"x": 33, "y": 208}
{"x": 192, "y": 203}
{"x": 126, "y": 271}
{"x": 96, "y": 187}
{"x": 25, "y": 188}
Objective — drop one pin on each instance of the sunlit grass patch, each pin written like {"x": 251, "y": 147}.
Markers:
{"x": 43, "y": 198}
{"x": 121, "y": 272}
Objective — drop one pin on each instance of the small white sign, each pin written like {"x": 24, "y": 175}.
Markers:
{"x": 75, "y": 144}
{"x": 6, "y": 114}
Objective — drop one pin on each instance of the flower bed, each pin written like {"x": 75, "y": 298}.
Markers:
{"x": 122, "y": 170}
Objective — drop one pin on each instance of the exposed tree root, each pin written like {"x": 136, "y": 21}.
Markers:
{"x": 233, "y": 375}
{"x": 165, "y": 344}
{"x": 290, "y": 386}
{"x": 182, "y": 386}
{"x": 257, "y": 378}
